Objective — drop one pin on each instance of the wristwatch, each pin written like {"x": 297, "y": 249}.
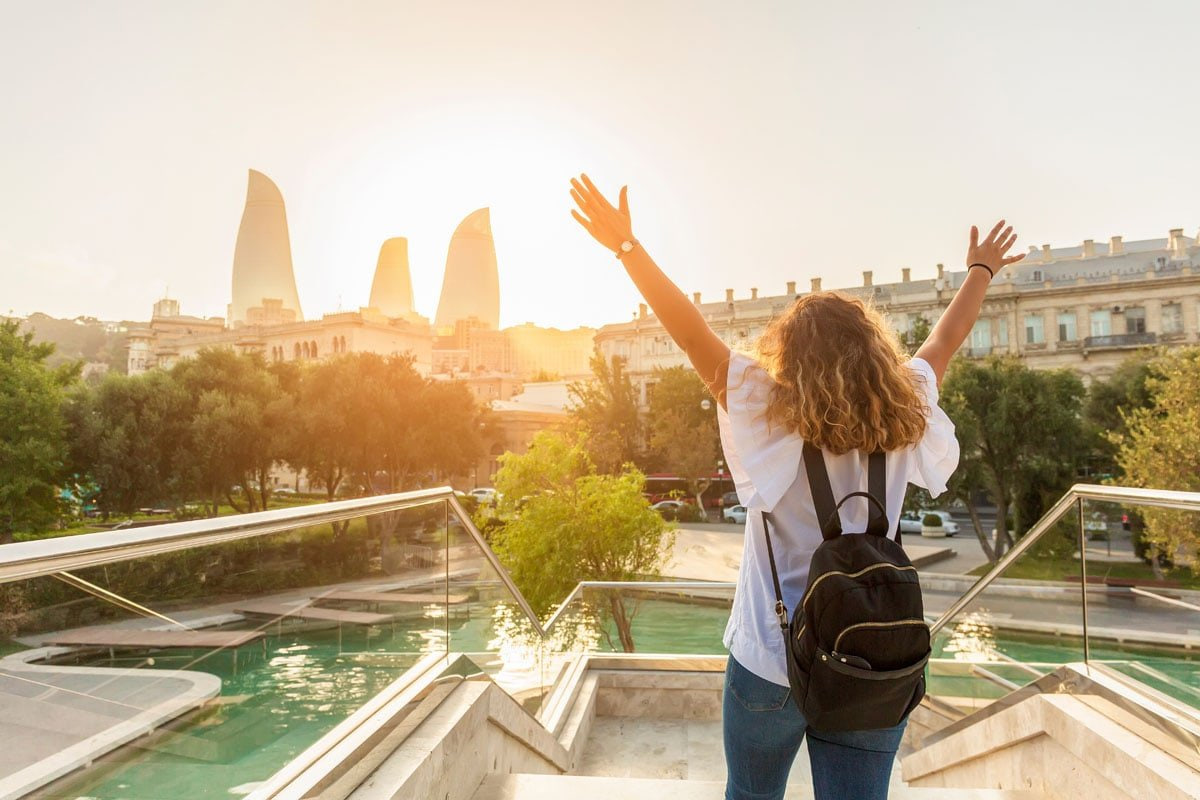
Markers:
{"x": 626, "y": 248}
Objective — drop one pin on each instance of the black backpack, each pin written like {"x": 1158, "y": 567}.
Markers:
{"x": 858, "y": 644}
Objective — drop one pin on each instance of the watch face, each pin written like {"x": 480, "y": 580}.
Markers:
{"x": 626, "y": 247}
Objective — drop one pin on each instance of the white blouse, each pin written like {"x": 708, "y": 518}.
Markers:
{"x": 767, "y": 466}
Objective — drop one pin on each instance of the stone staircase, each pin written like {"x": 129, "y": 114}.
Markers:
{"x": 591, "y": 787}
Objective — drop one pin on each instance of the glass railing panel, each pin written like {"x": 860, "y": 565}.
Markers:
{"x": 237, "y": 655}
{"x": 651, "y": 617}
{"x": 1025, "y": 624}
{"x": 486, "y": 620}
{"x": 1143, "y": 597}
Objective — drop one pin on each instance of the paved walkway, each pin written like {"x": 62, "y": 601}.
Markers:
{"x": 713, "y": 552}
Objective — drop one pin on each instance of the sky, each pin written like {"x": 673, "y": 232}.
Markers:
{"x": 762, "y": 142}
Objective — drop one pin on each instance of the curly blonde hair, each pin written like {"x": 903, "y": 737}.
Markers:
{"x": 840, "y": 376}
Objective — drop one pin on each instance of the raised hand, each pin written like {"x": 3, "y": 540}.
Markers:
{"x": 609, "y": 226}
{"x": 992, "y": 250}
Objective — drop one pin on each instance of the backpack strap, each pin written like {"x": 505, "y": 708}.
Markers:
{"x": 822, "y": 494}
{"x": 780, "y": 609}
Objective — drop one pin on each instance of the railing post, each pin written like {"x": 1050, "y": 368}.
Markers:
{"x": 1083, "y": 577}
{"x": 446, "y": 558}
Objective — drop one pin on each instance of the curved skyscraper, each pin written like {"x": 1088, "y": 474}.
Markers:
{"x": 262, "y": 259}
{"x": 471, "y": 285}
{"x": 391, "y": 290}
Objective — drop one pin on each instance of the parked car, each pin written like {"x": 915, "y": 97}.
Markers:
{"x": 485, "y": 495}
{"x": 910, "y": 522}
{"x": 730, "y": 499}
{"x": 678, "y": 510}
{"x": 950, "y": 526}
{"x": 736, "y": 514}
{"x": 1096, "y": 525}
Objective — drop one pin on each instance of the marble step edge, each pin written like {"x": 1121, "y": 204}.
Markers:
{"x": 588, "y": 787}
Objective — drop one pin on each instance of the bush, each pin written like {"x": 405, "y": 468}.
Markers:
{"x": 931, "y": 521}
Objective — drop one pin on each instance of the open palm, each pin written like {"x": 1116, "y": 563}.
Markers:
{"x": 993, "y": 251}
{"x": 609, "y": 226}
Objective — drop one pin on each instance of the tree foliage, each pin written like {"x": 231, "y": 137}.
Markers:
{"x": 575, "y": 524}
{"x": 605, "y": 410}
{"x": 683, "y": 433}
{"x": 1160, "y": 449}
{"x": 1108, "y": 403}
{"x": 1019, "y": 432}
{"x": 33, "y": 445}
{"x": 131, "y": 439}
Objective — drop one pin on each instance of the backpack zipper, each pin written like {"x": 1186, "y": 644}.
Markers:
{"x": 892, "y": 624}
{"x": 813, "y": 588}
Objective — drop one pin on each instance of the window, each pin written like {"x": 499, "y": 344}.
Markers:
{"x": 1101, "y": 323}
{"x": 1002, "y": 331}
{"x": 1037, "y": 275}
{"x": 1172, "y": 318}
{"x": 1034, "y": 334}
{"x": 1135, "y": 319}
{"x": 1066, "y": 326}
{"x": 981, "y": 335}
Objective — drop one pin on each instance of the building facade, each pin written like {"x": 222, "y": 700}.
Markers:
{"x": 522, "y": 351}
{"x": 1085, "y": 308}
{"x": 170, "y": 338}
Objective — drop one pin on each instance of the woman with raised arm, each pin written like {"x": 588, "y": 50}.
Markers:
{"x": 827, "y": 371}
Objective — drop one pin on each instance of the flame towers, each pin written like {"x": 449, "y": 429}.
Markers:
{"x": 391, "y": 289}
{"x": 262, "y": 259}
{"x": 471, "y": 286}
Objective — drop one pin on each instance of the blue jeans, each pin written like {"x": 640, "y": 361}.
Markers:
{"x": 763, "y": 729}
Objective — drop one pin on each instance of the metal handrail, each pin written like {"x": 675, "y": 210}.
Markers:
{"x": 1159, "y": 498}
{"x": 640, "y": 585}
{"x": 24, "y": 560}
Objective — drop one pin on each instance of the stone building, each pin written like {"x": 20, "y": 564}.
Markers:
{"x": 522, "y": 351}
{"x": 1086, "y": 308}
{"x": 169, "y": 338}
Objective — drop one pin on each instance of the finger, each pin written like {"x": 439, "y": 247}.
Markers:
{"x": 995, "y": 230}
{"x": 1011, "y": 260}
{"x": 584, "y": 205}
{"x": 596, "y": 193}
{"x": 577, "y": 189}
{"x": 584, "y": 221}
{"x": 1003, "y": 236}
{"x": 1008, "y": 243}
{"x": 974, "y": 237}
{"x": 623, "y": 201}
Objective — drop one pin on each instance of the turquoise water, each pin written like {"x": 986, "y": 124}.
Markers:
{"x": 274, "y": 706}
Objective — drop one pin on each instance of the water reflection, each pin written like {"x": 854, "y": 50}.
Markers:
{"x": 973, "y": 638}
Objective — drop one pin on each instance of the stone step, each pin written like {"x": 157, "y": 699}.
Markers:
{"x": 587, "y": 787}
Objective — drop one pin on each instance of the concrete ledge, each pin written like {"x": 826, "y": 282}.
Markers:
{"x": 1057, "y": 745}
{"x": 661, "y": 694}
{"x": 87, "y": 724}
{"x": 580, "y": 787}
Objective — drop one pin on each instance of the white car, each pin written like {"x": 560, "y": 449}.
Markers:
{"x": 486, "y": 496}
{"x": 949, "y": 524}
{"x": 910, "y": 522}
{"x": 735, "y": 514}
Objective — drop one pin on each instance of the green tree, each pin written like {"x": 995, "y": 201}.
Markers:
{"x": 1020, "y": 435}
{"x": 1161, "y": 449}
{"x": 238, "y": 424}
{"x": 1108, "y": 403}
{"x": 683, "y": 428}
{"x": 605, "y": 409}
{"x": 131, "y": 438}
{"x": 33, "y": 446}
{"x": 324, "y": 439}
{"x": 912, "y": 339}
{"x": 563, "y": 522}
